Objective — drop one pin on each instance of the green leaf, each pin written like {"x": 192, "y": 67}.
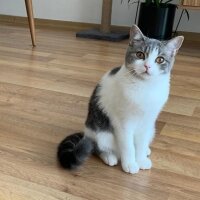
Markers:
{"x": 157, "y": 2}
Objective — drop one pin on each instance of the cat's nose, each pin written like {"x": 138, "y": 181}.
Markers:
{"x": 147, "y": 67}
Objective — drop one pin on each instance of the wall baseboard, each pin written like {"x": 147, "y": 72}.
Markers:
{"x": 75, "y": 26}
{"x": 190, "y": 36}
{"x": 48, "y": 23}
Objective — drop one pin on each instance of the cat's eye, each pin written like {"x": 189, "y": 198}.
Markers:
{"x": 160, "y": 60}
{"x": 140, "y": 55}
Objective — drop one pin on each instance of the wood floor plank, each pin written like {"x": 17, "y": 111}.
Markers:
{"x": 181, "y": 132}
{"x": 13, "y": 188}
{"x": 184, "y": 92}
{"x": 181, "y": 105}
{"x": 178, "y": 119}
{"x": 197, "y": 112}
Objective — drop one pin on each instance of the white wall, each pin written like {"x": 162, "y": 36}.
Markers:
{"x": 87, "y": 11}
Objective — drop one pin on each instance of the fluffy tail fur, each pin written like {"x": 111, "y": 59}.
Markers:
{"x": 74, "y": 150}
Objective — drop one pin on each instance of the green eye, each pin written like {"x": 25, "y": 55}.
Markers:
{"x": 160, "y": 60}
{"x": 140, "y": 55}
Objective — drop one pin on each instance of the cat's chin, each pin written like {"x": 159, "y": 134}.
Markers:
{"x": 144, "y": 75}
{"x": 148, "y": 75}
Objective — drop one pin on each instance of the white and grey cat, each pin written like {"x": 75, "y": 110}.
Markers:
{"x": 124, "y": 107}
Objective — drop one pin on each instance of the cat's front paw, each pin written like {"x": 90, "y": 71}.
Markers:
{"x": 130, "y": 167}
{"x": 145, "y": 163}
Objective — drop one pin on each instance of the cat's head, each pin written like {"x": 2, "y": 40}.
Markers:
{"x": 146, "y": 57}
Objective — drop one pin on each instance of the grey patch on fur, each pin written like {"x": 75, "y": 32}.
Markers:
{"x": 97, "y": 119}
{"x": 114, "y": 71}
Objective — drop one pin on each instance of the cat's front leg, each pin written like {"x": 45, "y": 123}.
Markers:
{"x": 124, "y": 138}
{"x": 142, "y": 141}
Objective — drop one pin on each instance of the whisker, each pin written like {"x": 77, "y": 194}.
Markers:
{"x": 129, "y": 75}
{"x": 130, "y": 71}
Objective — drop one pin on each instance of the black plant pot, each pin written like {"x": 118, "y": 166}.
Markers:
{"x": 157, "y": 22}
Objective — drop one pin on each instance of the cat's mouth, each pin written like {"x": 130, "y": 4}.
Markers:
{"x": 146, "y": 73}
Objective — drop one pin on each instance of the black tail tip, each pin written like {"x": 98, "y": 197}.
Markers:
{"x": 74, "y": 150}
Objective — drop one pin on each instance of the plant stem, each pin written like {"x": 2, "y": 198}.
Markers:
{"x": 137, "y": 11}
{"x": 179, "y": 22}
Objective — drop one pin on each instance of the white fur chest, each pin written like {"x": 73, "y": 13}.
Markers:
{"x": 149, "y": 95}
{"x": 143, "y": 97}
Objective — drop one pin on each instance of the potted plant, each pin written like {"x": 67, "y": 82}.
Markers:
{"x": 156, "y": 17}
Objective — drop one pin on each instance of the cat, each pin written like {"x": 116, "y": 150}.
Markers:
{"x": 124, "y": 106}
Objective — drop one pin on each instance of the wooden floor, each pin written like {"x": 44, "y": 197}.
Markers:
{"x": 43, "y": 97}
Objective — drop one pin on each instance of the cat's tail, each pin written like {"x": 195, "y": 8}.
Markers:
{"x": 74, "y": 150}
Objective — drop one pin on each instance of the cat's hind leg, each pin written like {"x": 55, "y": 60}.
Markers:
{"x": 107, "y": 148}
{"x": 109, "y": 158}
{"x": 105, "y": 145}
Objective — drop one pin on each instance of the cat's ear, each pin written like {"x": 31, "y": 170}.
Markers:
{"x": 174, "y": 44}
{"x": 135, "y": 34}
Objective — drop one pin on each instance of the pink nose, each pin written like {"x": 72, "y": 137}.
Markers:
{"x": 147, "y": 67}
